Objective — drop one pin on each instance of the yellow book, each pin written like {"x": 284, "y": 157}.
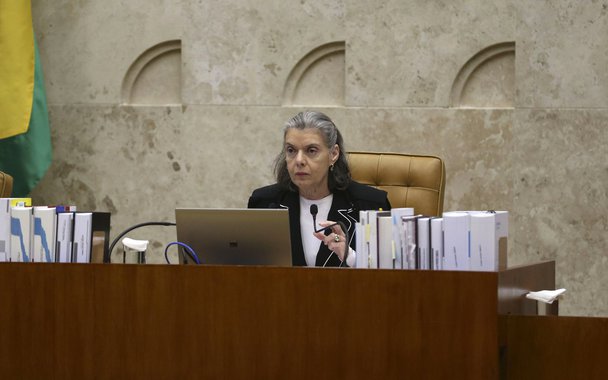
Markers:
{"x": 24, "y": 202}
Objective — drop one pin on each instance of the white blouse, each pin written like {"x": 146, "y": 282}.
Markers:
{"x": 310, "y": 243}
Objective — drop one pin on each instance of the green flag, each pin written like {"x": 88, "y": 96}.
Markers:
{"x": 25, "y": 139}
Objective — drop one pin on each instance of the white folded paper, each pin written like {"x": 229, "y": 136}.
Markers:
{"x": 137, "y": 245}
{"x": 546, "y": 296}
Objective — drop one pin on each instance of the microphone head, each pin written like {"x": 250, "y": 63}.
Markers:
{"x": 314, "y": 210}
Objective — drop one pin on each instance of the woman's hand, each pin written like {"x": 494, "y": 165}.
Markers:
{"x": 335, "y": 241}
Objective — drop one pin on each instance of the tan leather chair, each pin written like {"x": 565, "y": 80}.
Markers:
{"x": 6, "y": 185}
{"x": 410, "y": 180}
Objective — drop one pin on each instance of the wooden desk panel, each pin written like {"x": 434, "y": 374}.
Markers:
{"x": 549, "y": 347}
{"x": 72, "y": 321}
{"x": 516, "y": 282}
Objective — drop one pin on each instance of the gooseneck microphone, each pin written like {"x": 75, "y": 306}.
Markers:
{"x": 314, "y": 210}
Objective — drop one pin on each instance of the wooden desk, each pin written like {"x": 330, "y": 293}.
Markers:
{"x": 84, "y": 321}
{"x": 549, "y": 347}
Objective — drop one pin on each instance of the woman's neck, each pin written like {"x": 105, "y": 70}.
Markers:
{"x": 314, "y": 193}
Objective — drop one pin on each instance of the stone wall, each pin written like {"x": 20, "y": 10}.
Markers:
{"x": 159, "y": 104}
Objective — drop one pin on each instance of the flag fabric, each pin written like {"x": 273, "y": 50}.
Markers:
{"x": 25, "y": 138}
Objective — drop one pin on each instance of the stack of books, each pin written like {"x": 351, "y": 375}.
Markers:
{"x": 458, "y": 240}
{"x": 49, "y": 234}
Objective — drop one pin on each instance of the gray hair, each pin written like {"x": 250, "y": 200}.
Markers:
{"x": 339, "y": 177}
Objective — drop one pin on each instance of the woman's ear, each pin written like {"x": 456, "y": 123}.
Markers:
{"x": 335, "y": 153}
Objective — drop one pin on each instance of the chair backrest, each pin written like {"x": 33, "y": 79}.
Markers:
{"x": 410, "y": 180}
{"x": 6, "y": 185}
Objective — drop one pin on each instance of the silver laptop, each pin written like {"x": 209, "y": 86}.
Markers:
{"x": 235, "y": 236}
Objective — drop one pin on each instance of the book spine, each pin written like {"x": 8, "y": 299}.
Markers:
{"x": 5, "y": 230}
{"x": 484, "y": 253}
{"x": 437, "y": 243}
{"x": 82, "y": 237}
{"x": 361, "y": 259}
{"x": 385, "y": 240}
{"x": 396, "y": 214}
{"x": 44, "y": 234}
{"x": 21, "y": 233}
{"x": 408, "y": 237}
{"x": 65, "y": 225}
{"x": 364, "y": 260}
{"x": 456, "y": 229}
{"x": 424, "y": 243}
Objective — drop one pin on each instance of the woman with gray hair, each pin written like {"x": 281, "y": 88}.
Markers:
{"x": 314, "y": 183}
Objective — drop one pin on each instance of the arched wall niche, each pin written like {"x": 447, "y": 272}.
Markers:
{"x": 487, "y": 80}
{"x": 318, "y": 78}
{"x": 154, "y": 78}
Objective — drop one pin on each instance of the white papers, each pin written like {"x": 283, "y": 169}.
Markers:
{"x": 546, "y": 296}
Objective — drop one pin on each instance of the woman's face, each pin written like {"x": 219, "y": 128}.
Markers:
{"x": 308, "y": 161}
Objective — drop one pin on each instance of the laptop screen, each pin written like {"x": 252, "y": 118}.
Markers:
{"x": 235, "y": 236}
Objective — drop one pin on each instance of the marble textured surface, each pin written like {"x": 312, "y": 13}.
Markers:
{"x": 159, "y": 82}
{"x": 241, "y": 51}
{"x": 87, "y": 46}
{"x": 562, "y": 54}
{"x": 407, "y": 53}
{"x": 560, "y": 194}
{"x": 491, "y": 84}
{"x": 543, "y": 159}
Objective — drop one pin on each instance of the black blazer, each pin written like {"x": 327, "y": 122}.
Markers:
{"x": 344, "y": 208}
